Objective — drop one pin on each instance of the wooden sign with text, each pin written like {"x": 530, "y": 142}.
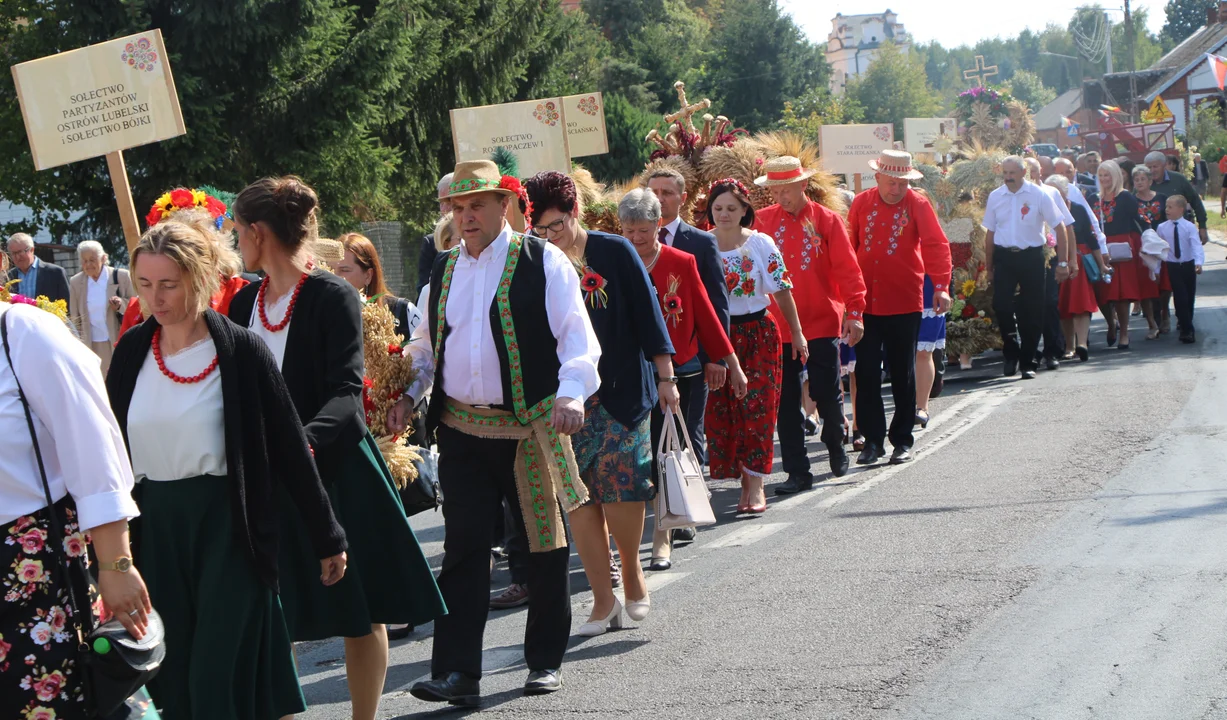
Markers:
{"x": 534, "y": 130}
{"x": 586, "y": 124}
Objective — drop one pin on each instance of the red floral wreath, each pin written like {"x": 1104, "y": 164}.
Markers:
{"x": 728, "y": 181}
{"x": 510, "y": 183}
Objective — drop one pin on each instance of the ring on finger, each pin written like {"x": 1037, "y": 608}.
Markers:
{"x": 133, "y": 613}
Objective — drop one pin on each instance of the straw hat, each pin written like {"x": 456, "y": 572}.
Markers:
{"x": 475, "y": 176}
{"x": 783, "y": 170}
{"x": 896, "y": 164}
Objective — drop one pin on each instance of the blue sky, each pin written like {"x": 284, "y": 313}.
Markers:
{"x": 934, "y": 19}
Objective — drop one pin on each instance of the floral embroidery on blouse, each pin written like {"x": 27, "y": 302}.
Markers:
{"x": 1150, "y": 210}
{"x": 1107, "y": 209}
{"x": 739, "y": 277}
{"x": 898, "y": 224}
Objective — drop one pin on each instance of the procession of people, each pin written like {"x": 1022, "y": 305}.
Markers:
{"x": 230, "y": 464}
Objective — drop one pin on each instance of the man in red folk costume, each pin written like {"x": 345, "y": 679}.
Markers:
{"x": 898, "y": 242}
{"x": 830, "y": 297}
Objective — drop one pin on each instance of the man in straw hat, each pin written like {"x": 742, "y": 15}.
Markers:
{"x": 830, "y": 297}
{"x": 898, "y": 242}
{"x": 508, "y": 390}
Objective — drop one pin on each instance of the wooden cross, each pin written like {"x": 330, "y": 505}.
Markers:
{"x": 981, "y": 72}
{"x": 687, "y": 111}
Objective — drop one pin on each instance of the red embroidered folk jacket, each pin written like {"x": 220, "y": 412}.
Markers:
{"x": 688, "y": 312}
{"x": 896, "y": 246}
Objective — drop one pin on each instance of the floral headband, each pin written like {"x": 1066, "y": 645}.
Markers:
{"x": 509, "y": 182}
{"x": 728, "y": 181}
{"x": 185, "y": 199}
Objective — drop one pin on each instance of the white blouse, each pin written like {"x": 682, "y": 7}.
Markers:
{"x": 753, "y": 273}
{"x": 177, "y": 430}
{"x": 275, "y": 312}
{"x": 82, "y": 447}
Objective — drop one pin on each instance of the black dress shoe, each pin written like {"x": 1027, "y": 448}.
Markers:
{"x": 1188, "y": 338}
{"x": 1011, "y": 367}
{"x": 685, "y": 534}
{"x": 839, "y": 462}
{"x": 871, "y": 454}
{"x": 794, "y": 484}
{"x": 452, "y": 688}
{"x": 902, "y": 454}
{"x": 543, "y": 682}
{"x": 659, "y": 564}
{"x": 1028, "y": 374}
{"x": 1052, "y": 364}
{"x": 399, "y": 633}
{"x": 811, "y": 427}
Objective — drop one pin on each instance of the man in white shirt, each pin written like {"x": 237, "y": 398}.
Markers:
{"x": 1014, "y": 219}
{"x": 1183, "y": 263}
{"x": 508, "y": 390}
{"x": 1062, "y": 236}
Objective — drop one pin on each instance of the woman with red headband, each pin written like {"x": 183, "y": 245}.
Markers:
{"x": 742, "y": 431}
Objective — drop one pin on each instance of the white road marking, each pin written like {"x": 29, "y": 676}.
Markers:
{"x": 745, "y": 535}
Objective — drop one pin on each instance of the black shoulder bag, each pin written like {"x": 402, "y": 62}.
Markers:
{"x": 114, "y": 665}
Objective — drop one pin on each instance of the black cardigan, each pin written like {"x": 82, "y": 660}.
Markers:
{"x": 322, "y": 365}
{"x": 264, "y": 440}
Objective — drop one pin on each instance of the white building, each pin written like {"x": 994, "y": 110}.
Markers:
{"x": 854, "y": 41}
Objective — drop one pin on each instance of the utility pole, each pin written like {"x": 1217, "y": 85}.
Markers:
{"x": 1129, "y": 40}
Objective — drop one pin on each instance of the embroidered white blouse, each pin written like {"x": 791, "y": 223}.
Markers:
{"x": 753, "y": 273}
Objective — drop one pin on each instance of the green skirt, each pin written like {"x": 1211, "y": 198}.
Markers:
{"x": 228, "y": 652}
{"x": 388, "y": 580}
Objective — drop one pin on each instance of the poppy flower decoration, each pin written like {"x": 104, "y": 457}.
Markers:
{"x": 593, "y": 286}
{"x": 1026, "y": 209}
{"x": 731, "y": 279}
{"x": 672, "y": 303}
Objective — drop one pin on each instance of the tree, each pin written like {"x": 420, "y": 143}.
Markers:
{"x": 819, "y": 107}
{"x": 893, "y": 88}
{"x": 1184, "y": 17}
{"x": 1027, "y": 87}
{"x": 760, "y": 60}
{"x": 626, "y": 126}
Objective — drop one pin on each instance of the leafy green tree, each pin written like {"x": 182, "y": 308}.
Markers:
{"x": 626, "y": 127}
{"x": 1183, "y": 18}
{"x": 893, "y": 88}
{"x": 1027, "y": 87}
{"x": 760, "y": 60}
{"x": 808, "y": 113}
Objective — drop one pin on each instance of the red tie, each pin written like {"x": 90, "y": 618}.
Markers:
{"x": 663, "y": 236}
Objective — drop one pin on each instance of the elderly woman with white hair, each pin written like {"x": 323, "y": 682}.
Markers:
{"x": 97, "y": 297}
{"x": 1077, "y": 294}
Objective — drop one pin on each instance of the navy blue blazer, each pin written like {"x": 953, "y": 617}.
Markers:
{"x": 707, "y": 254}
{"x": 52, "y": 281}
{"x": 628, "y": 324}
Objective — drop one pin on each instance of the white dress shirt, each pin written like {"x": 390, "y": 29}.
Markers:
{"x": 672, "y": 228}
{"x": 82, "y": 448}
{"x": 275, "y": 312}
{"x": 177, "y": 430}
{"x": 1076, "y": 197}
{"x": 1190, "y": 241}
{"x": 1017, "y": 219}
{"x": 96, "y": 304}
{"x": 471, "y": 370}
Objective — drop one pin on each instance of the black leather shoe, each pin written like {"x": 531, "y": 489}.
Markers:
{"x": 452, "y": 688}
{"x": 685, "y": 534}
{"x": 543, "y": 682}
{"x": 1052, "y": 364}
{"x": 794, "y": 484}
{"x": 1188, "y": 338}
{"x": 659, "y": 564}
{"x": 839, "y": 462}
{"x": 871, "y": 454}
{"x": 1011, "y": 367}
{"x": 1028, "y": 374}
{"x": 399, "y": 633}
{"x": 902, "y": 454}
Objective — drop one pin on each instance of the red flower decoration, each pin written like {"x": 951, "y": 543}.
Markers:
{"x": 394, "y": 349}
{"x": 216, "y": 207}
{"x": 748, "y": 286}
{"x": 968, "y": 311}
{"x": 772, "y": 266}
{"x": 182, "y": 198}
{"x": 593, "y": 286}
{"x": 731, "y": 280}
{"x": 673, "y": 304}
{"x": 154, "y": 217}
{"x": 509, "y": 183}
{"x": 592, "y": 281}
{"x": 368, "y": 405}
{"x": 747, "y": 265}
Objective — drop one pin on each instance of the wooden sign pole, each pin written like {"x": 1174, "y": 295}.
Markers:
{"x": 856, "y": 183}
{"x": 123, "y": 198}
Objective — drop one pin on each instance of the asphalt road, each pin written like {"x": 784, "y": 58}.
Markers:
{"x": 1056, "y": 551}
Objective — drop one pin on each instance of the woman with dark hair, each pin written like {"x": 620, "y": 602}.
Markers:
{"x": 362, "y": 268}
{"x": 312, "y": 323}
{"x": 742, "y": 430}
{"x": 613, "y": 449}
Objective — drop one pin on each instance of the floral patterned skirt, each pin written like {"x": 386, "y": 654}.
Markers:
{"x": 740, "y": 432}
{"x": 39, "y": 676}
{"x": 615, "y": 461}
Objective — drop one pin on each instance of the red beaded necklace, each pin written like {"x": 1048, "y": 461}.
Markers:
{"x": 289, "y": 311}
{"x": 157, "y": 356}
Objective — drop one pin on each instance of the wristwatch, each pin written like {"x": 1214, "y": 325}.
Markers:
{"x": 1062, "y": 264}
{"x": 123, "y": 565}
{"x": 670, "y": 379}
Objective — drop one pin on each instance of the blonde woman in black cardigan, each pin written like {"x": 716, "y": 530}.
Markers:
{"x": 204, "y": 413}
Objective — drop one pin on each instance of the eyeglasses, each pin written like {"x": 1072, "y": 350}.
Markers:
{"x": 554, "y": 227}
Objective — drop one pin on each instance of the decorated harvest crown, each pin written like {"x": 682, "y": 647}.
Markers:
{"x": 188, "y": 199}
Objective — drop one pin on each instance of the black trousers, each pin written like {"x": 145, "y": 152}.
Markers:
{"x": 1022, "y": 271}
{"x": 824, "y": 389}
{"x": 890, "y": 339}
{"x": 475, "y": 475}
{"x": 693, "y": 392}
{"x": 1184, "y": 292}
{"x": 1054, "y": 339}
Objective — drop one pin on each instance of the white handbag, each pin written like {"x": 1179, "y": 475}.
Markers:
{"x": 682, "y": 499}
{"x": 1120, "y": 251}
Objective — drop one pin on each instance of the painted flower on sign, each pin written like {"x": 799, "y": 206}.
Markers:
{"x": 588, "y": 105}
{"x": 140, "y": 55}
{"x": 547, "y": 113}
{"x": 882, "y": 132}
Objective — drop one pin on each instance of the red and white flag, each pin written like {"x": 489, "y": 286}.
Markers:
{"x": 1218, "y": 66}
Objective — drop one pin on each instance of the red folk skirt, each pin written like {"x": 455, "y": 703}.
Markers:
{"x": 1078, "y": 293}
{"x": 740, "y": 433}
{"x": 1130, "y": 278}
